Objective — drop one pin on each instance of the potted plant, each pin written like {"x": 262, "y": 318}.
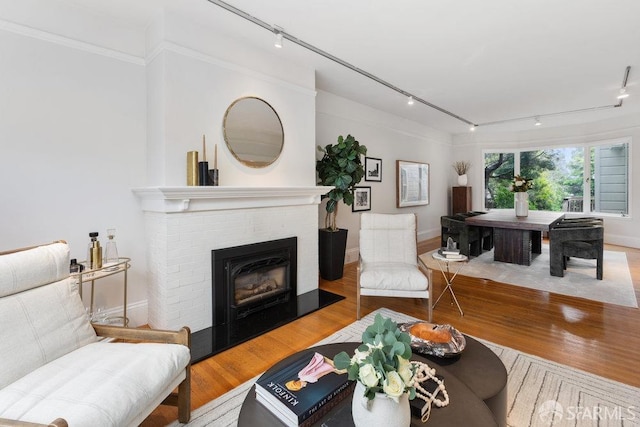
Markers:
{"x": 340, "y": 167}
{"x": 385, "y": 375}
{"x": 461, "y": 168}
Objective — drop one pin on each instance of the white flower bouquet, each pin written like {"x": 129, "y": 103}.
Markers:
{"x": 382, "y": 363}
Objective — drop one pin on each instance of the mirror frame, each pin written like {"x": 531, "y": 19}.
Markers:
{"x": 251, "y": 163}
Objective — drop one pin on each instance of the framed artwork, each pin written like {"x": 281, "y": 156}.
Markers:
{"x": 372, "y": 169}
{"x": 361, "y": 199}
{"x": 412, "y": 183}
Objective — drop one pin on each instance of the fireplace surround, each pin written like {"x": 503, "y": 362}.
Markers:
{"x": 183, "y": 225}
{"x": 247, "y": 279}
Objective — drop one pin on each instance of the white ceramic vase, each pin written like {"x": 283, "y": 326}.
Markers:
{"x": 380, "y": 411}
{"x": 462, "y": 180}
{"x": 522, "y": 204}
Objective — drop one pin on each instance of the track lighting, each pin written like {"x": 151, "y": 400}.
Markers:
{"x": 623, "y": 94}
{"x": 279, "y": 34}
{"x": 278, "y": 42}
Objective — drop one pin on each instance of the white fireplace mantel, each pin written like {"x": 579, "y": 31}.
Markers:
{"x": 196, "y": 199}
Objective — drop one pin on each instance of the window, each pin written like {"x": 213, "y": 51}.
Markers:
{"x": 562, "y": 176}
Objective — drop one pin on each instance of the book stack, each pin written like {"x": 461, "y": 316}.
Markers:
{"x": 450, "y": 253}
{"x": 304, "y": 390}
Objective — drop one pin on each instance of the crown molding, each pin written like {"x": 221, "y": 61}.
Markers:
{"x": 48, "y": 37}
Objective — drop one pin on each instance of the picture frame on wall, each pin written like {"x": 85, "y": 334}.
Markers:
{"x": 361, "y": 199}
{"x": 372, "y": 169}
{"x": 412, "y": 183}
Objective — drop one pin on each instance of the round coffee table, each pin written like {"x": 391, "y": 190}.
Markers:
{"x": 473, "y": 402}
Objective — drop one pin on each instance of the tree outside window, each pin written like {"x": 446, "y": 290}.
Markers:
{"x": 561, "y": 178}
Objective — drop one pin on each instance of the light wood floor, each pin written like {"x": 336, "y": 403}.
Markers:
{"x": 600, "y": 338}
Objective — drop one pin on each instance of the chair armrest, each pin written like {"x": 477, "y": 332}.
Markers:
{"x": 182, "y": 336}
{"x": 58, "y": 422}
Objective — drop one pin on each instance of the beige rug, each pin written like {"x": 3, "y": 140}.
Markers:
{"x": 540, "y": 392}
{"x": 579, "y": 279}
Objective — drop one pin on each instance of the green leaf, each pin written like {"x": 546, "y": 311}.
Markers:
{"x": 342, "y": 360}
{"x": 348, "y": 199}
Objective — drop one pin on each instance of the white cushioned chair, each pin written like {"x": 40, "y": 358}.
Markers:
{"x": 388, "y": 264}
{"x": 53, "y": 365}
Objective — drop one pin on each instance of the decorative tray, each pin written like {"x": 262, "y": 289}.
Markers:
{"x": 434, "y": 340}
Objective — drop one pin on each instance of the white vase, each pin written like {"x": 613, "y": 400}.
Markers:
{"x": 462, "y": 180}
{"x": 380, "y": 411}
{"x": 522, "y": 204}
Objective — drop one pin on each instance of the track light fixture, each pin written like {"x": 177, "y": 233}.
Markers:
{"x": 280, "y": 34}
{"x": 278, "y": 42}
{"x": 623, "y": 93}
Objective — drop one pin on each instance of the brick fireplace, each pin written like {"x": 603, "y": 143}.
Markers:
{"x": 184, "y": 224}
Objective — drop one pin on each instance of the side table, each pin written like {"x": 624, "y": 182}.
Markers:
{"x": 122, "y": 266}
{"x": 445, "y": 266}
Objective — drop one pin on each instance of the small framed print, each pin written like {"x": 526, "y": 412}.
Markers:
{"x": 361, "y": 199}
{"x": 372, "y": 169}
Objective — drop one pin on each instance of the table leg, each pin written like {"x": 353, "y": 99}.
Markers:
{"x": 448, "y": 278}
{"x": 512, "y": 245}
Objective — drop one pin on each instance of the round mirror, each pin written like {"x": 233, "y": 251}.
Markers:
{"x": 253, "y": 132}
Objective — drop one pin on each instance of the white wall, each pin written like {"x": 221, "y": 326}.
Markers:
{"x": 389, "y": 138}
{"x": 76, "y": 135}
{"x": 71, "y": 127}
{"x": 618, "y": 230}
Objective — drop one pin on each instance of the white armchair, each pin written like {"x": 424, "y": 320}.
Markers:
{"x": 388, "y": 264}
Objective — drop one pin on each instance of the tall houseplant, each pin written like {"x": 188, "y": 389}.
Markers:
{"x": 340, "y": 167}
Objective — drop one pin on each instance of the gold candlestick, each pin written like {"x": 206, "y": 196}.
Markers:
{"x": 192, "y": 168}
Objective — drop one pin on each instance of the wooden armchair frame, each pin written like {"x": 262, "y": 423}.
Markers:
{"x": 181, "y": 399}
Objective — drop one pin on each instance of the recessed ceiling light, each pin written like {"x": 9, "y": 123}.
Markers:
{"x": 410, "y": 100}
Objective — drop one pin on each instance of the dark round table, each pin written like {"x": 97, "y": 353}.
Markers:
{"x": 476, "y": 381}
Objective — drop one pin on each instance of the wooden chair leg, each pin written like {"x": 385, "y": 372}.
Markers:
{"x": 358, "y": 293}
{"x": 184, "y": 398}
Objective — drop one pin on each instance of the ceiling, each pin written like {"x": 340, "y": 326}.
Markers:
{"x": 484, "y": 61}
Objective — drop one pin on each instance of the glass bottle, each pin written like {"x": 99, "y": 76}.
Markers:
{"x": 94, "y": 251}
{"x": 111, "y": 250}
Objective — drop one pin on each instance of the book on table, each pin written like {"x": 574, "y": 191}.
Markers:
{"x": 450, "y": 253}
{"x": 304, "y": 390}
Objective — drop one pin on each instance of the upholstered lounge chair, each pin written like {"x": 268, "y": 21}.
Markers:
{"x": 53, "y": 365}
{"x": 580, "y": 239}
{"x": 388, "y": 264}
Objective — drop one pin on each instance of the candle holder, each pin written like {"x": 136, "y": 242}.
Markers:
{"x": 203, "y": 173}
{"x": 213, "y": 177}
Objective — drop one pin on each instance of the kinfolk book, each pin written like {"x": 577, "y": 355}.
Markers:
{"x": 301, "y": 392}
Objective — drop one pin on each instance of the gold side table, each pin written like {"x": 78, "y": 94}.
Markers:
{"x": 122, "y": 266}
{"x": 449, "y": 267}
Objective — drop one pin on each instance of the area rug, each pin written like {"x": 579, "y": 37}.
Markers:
{"x": 540, "y": 392}
{"x": 579, "y": 279}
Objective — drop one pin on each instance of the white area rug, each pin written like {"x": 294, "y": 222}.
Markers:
{"x": 579, "y": 279}
{"x": 540, "y": 393}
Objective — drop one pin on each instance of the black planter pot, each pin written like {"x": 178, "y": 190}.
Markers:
{"x": 332, "y": 247}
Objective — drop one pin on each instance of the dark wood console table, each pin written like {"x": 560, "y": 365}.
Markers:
{"x": 476, "y": 382}
{"x": 516, "y": 238}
